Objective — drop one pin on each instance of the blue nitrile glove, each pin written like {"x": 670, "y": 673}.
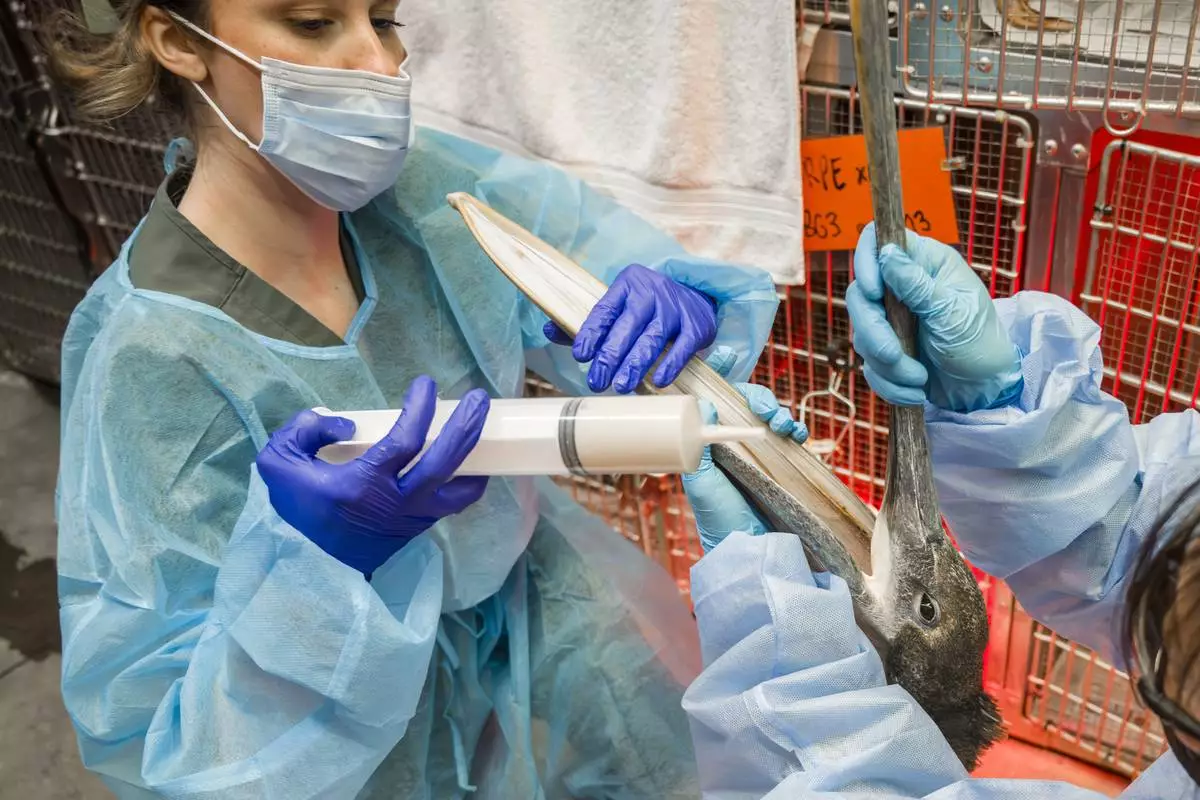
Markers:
{"x": 718, "y": 506}
{"x": 631, "y": 326}
{"x": 364, "y": 511}
{"x": 967, "y": 361}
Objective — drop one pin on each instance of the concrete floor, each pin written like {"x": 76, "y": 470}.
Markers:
{"x": 38, "y": 755}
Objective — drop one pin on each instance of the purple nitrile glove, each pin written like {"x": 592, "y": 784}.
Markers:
{"x": 363, "y": 512}
{"x": 632, "y": 326}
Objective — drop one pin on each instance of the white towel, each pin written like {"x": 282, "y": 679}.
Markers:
{"x": 685, "y": 111}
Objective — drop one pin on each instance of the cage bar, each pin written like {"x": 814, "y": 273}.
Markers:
{"x": 1123, "y": 58}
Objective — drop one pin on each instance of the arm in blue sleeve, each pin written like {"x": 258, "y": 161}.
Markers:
{"x": 793, "y": 702}
{"x": 1056, "y": 493}
{"x": 604, "y": 238}
{"x": 210, "y": 650}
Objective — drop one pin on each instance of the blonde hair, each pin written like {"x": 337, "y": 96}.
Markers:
{"x": 114, "y": 74}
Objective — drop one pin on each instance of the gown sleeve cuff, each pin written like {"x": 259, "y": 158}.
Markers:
{"x": 1060, "y": 362}
{"x": 305, "y": 617}
{"x": 1056, "y": 459}
{"x": 746, "y": 302}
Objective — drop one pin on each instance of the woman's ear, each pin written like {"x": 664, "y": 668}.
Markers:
{"x": 174, "y": 47}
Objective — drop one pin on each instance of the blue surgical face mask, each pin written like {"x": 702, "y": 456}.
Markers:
{"x": 341, "y": 136}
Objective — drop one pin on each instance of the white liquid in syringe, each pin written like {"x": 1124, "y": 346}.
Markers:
{"x": 567, "y": 436}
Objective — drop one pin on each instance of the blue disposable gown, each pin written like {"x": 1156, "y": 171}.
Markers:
{"x": 1054, "y": 494}
{"x": 211, "y": 651}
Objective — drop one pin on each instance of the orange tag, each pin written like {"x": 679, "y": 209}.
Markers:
{"x": 837, "y": 189}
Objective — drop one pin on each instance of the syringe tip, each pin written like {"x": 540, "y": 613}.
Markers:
{"x": 717, "y": 434}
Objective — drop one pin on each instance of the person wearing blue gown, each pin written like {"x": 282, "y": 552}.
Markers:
{"x": 243, "y": 620}
{"x": 1092, "y": 521}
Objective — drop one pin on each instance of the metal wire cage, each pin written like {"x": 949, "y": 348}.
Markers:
{"x": 43, "y": 263}
{"x": 115, "y": 172}
{"x": 1139, "y": 279}
{"x": 70, "y": 192}
{"x": 108, "y": 173}
{"x": 1064, "y": 697}
{"x": 826, "y": 12}
{"x": 1124, "y": 57}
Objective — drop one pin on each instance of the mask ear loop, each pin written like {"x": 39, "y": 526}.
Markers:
{"x": 238, "y": 54}
{"x": 233, "y": 51}
{"x": 232, "y": 128}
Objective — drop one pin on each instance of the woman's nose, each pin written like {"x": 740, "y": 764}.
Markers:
{"x": 370, "y": 53}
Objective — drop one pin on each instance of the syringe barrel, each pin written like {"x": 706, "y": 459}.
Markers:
{"x": 560, "y": 436}
{"x": 612, "y": 436}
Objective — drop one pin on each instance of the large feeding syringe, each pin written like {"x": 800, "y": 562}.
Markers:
{"x": 567, "y": 436}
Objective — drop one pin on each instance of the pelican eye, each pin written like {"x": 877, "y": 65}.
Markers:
{"x": 927, "y": 609}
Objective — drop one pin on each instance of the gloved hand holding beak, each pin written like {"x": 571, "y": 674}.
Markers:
{"x": 719, "y": 508}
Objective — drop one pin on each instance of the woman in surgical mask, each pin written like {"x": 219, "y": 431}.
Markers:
{"x": 241, "y": 619}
